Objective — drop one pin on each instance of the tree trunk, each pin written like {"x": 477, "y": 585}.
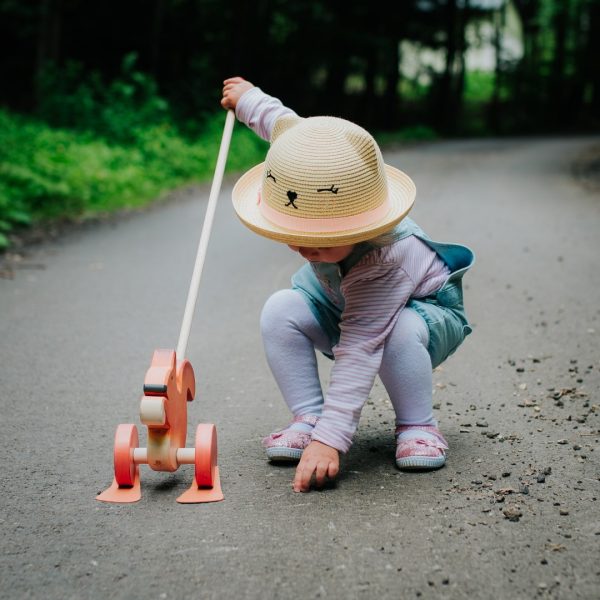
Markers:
{"x": 459, "y": 84}
{"x": 444, "y": 113}
{"x": 390, "y": 98}
{"x": 592, "y": 63}
{"x": 48, "y": 41}
{"x": 155, "y": 36}
{"x": 370, "y": 100}
{"x": 494, "y": 113}
{"x": 558, "y": 85}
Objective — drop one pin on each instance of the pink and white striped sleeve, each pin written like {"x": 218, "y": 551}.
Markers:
{"x": 375, "y": 291}
{"x": 259, "y": 111}
{"x": 374, "y": 296}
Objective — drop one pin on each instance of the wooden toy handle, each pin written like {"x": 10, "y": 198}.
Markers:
{"x": 205, "y": 235}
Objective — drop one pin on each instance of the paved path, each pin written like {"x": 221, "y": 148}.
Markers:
{"x": 519, "y": 400}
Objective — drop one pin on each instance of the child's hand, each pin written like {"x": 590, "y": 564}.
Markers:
{"x": 319, "y": 460}
{"x": 233, "y": 88}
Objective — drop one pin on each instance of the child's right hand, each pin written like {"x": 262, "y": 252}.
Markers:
{"x": 233, "y": 88}
{"x": 319, "y": 461}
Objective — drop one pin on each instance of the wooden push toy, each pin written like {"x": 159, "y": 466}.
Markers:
{"x": 168, "y": 387}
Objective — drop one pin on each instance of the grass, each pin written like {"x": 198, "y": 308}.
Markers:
{"x": 58, "y": 173}
{"x": 101, "y": 147}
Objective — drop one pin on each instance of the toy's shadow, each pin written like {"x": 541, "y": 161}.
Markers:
{"x": 166, "y": 485}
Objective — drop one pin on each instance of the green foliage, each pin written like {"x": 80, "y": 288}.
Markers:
{"x": 104, "y": 141}
{"x": 415, "y": 133}
{"x": 101, "y": 147}
{"x": 50, "y": 173}
{"x": 116, "y": 110}
{"x": 479, "y": 86}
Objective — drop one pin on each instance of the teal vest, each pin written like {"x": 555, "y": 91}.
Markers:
{"x": 320, "y": 283}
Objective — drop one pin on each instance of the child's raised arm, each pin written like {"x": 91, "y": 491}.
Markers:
{"x": 253, "y": 107}
{"x": 233, "y": 88}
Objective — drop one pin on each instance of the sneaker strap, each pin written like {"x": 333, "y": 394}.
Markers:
{"x": 422, "y": 435}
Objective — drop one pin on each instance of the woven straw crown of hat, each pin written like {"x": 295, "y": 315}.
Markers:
{"x": 323, "y": 183}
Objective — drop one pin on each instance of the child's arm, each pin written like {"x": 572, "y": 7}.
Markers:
{"x": 253, "y": 107}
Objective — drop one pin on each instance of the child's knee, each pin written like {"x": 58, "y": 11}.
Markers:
{"x": 410, "y": 329}
{"x": 279, "y": 309}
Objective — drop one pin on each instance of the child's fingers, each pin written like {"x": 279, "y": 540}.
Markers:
{"x": 319, "y": 460}
{"x": 333, "y": 470}
{"x": 321, "y": 473}
{"x": 304, "y": 473}
{"x": 233, "y": 80}
{"x": 227, "y": 99}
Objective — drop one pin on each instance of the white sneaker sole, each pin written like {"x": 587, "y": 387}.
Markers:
{"x": 420, "y": 462}
{"x": 281, "y": 454}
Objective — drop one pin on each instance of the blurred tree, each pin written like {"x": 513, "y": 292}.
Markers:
{"x": 320, "y": 56}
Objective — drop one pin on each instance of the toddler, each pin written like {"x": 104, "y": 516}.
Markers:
{"x": 376, "y": 295}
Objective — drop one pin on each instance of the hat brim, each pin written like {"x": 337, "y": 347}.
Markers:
{"x": 401, "y": 193}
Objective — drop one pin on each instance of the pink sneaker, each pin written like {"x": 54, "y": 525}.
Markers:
{"x": 420, "y": 447}
{"x": 288, "y": 444}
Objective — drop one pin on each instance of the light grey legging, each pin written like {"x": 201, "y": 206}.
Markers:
{"x": 291, "y": 334}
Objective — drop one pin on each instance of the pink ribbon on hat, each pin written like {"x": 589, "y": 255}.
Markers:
{"x": 329, "y": 225}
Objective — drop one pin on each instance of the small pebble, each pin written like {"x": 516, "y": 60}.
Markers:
{"x": 576, "y": 447}
{"x": 512, "y": 512}
{"x": 562, "y": 442}
{"x": 506, "y": 474}
{"x": 541, "y": 478}
{"x": 482, "y": 423}
{"x": 563, "y": 511}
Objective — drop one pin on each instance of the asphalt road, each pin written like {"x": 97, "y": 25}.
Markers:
{"x": 518, "y": 403}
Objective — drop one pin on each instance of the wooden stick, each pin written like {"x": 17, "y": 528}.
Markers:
{"x": 204, "y": 236}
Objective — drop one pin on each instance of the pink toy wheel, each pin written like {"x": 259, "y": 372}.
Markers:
{"x": 206, "y": 455}
{"x": 126, "y": 439}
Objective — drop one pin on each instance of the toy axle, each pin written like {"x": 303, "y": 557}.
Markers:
{"x": 206, "y": 486}
{"x": 185, "y": 456}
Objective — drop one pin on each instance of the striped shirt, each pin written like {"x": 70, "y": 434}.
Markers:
{"x": 375, "y": 290}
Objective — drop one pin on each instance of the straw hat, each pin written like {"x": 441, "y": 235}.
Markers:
{"x": 323, "y": 184}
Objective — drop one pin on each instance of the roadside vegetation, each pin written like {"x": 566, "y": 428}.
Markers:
{"x": 95, "y": 148}
{"x": 88, "y": 127}
{"x": 100, "y": 148}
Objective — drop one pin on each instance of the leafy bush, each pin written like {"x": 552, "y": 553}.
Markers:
{"x": 116, "y": 110}
{"x": 98, "y": 147}
{"x": 49, "y": 173}
{"x": 416, "y": 133}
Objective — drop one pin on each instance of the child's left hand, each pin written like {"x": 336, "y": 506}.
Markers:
{"x": 233, "y": 89}
{"x": 319, "y": 460}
